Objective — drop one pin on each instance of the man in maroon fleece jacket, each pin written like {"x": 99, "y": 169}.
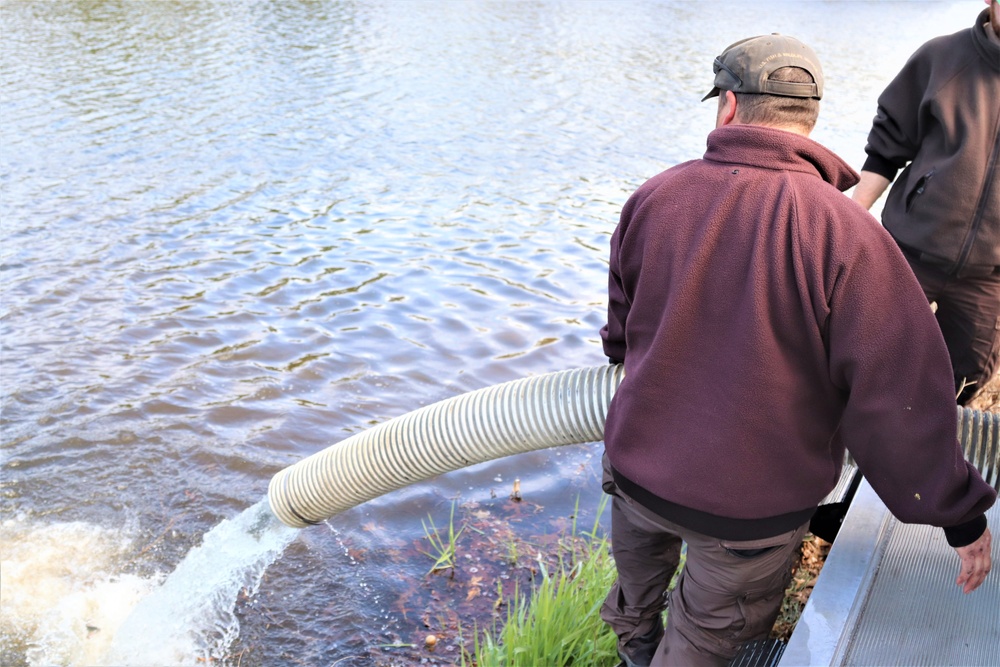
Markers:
{"x": 765, "y": 324}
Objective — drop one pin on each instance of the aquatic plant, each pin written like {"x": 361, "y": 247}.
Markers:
{"x": 443, "y": 549}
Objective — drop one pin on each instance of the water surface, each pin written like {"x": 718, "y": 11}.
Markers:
{"x": 236, "y": 232}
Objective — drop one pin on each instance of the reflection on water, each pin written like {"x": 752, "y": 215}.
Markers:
{"x": 234, "y": 233}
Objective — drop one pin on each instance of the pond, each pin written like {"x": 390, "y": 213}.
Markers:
{"x": 237, "y": 232}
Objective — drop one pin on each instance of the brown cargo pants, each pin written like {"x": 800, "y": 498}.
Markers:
{"x": 728, "y": 593}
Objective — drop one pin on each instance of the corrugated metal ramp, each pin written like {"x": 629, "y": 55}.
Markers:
{"x": 887, "y": 596}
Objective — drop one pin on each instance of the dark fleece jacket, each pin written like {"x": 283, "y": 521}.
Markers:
{"x": 940, "y": 119}
{"x": 766, "y": 321}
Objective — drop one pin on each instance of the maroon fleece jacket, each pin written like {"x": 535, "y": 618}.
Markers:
{"x": 766, "y": 321}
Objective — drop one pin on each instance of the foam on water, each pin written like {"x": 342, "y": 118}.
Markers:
{"x": 61, "y": 596}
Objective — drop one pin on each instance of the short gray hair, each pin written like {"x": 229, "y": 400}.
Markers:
{"x": 760, "y": 109}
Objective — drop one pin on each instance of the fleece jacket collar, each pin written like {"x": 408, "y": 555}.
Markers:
{"x": 770, "y": 148}
{"x": 988, "y": 48}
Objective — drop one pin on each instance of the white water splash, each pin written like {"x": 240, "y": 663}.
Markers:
{"x": 190, "y": 618}
{"x": 59, "y": 595}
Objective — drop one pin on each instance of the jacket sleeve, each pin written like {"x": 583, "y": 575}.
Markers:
{"x": 900, "y": 422}
{"x": 619, "y": 298}
{"x": 613, "y": 333}
{"x": 895, "y": 135}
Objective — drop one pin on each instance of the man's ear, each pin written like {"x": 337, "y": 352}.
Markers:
{"x": 728, "y": 111}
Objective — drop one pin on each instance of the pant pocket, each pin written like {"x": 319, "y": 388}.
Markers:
{"x": 759, "y": 611}
{"x": 750, "y": 553}
{"x": 755, "y": 548}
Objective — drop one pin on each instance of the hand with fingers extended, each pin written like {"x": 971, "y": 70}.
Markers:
{"x": 976, "y": 562}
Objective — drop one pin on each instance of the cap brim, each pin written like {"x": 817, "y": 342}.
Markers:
{"x": 715, "y": 92}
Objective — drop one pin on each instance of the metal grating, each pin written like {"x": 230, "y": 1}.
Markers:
{"x": 760, "y": 653}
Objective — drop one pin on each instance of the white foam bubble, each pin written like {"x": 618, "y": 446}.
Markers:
{"x": 61, "y": 596}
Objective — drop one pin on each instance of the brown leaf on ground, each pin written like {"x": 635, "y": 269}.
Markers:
{"x": 814, "y": 552}
{"x": 474, "y": 589}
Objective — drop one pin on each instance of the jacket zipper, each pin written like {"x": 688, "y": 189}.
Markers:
{"x": 977, "y": 219}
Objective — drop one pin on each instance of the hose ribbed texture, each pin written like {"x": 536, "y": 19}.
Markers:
{"x": 979, "y": 435}
{"x": 562, "y": 408}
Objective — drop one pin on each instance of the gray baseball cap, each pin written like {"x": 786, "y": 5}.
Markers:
{"x": 745, "y": 67}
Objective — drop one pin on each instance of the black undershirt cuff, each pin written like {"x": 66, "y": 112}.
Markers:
{"x": 966, "y": 533}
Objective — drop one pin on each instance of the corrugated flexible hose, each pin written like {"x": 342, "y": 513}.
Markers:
{"x": 979, "y": 435}
{"x": 561, "y": 408}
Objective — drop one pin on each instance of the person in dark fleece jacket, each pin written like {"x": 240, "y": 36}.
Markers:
{"x": 939, "y": 121}
{"x": 766, "y": 323}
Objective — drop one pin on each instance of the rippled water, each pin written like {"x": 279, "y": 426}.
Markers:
{"x": 234, "y": 233}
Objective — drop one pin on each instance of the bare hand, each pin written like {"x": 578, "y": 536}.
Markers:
{"x": 976, "y": 562}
